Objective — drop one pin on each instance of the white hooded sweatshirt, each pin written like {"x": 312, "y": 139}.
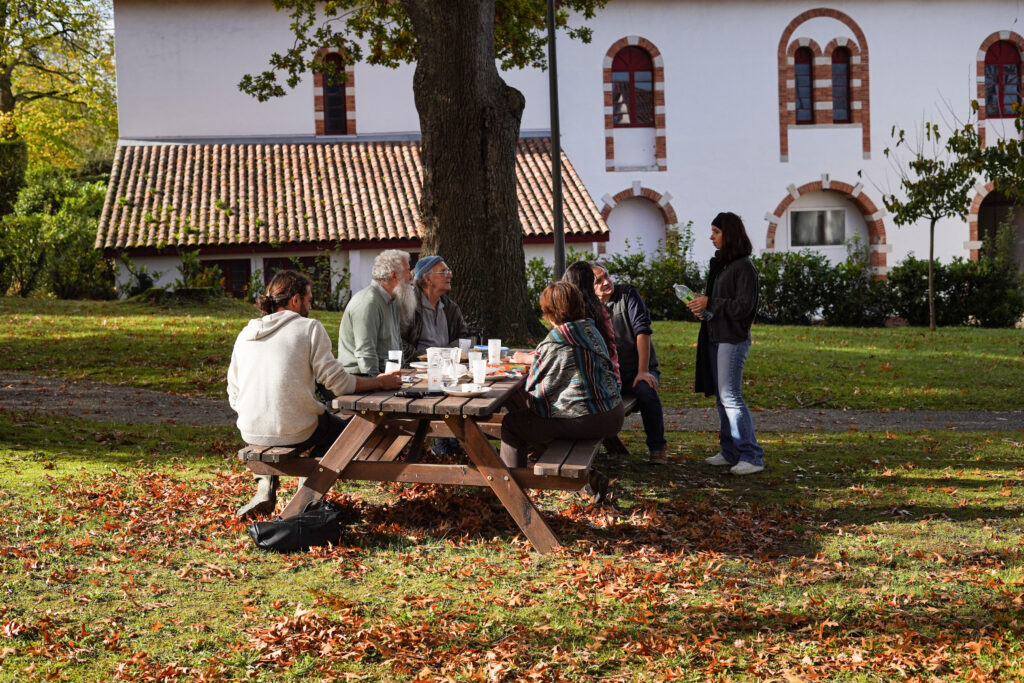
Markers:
{"x": 275, "y": 362}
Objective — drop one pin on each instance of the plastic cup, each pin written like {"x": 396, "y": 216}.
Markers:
{"x": 395, "y": 355}
{"x": 494, "y": 351}
{"x": 474, "y": 355}
{"x": 392, "y": 366}
{"x": 479, "y": 368}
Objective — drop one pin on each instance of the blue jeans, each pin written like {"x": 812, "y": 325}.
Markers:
{"x": 737, "y": 432}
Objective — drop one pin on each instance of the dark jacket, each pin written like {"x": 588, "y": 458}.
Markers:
{"x": 630, "y": 318}
{"x": 732, "y": 299}
{"x": 411, "y": 329}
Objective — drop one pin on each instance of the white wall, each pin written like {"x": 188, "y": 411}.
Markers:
{"x": 179, "y": 62}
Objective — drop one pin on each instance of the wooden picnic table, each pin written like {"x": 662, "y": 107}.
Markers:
{"x": 385, "y": 425}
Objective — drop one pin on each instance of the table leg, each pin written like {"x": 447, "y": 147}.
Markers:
{"x": 337, "y": 458}
{"x": 501, "y": 481}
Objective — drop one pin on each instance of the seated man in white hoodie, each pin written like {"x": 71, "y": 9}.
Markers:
{"x": 276, "y": 364}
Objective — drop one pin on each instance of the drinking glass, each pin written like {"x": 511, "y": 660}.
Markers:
{"x": 493, "y": 351}
{"x": 479, "y": 367}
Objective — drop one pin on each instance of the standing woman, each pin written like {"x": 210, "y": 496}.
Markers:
{"x": 726, "y": 312}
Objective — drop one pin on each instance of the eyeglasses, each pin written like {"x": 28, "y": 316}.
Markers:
{"x": 443, "y": 273}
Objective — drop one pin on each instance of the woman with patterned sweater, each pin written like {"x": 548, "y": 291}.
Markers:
{"x": 572, "y": 388}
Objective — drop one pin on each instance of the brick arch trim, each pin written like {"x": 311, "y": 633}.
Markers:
{"x": 660, "y": 147}
{"x": 873, "y": 216}
{"x": 637, "y": 191}
{"x": 994, "y": 38}
{"x": 350, "y": 98}
{"x": 974, "y": 245}
{"x": 860, "y": 101}
{"x": 803, "y": 42}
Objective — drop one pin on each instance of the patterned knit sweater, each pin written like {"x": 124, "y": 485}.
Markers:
{"x": 572, "y": 375}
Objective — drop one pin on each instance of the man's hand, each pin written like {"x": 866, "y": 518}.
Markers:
{"x": 391, "y": 380}
{"x": 651, "y": 380}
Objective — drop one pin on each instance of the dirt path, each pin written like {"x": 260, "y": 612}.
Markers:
{"x": 101, "y": 401}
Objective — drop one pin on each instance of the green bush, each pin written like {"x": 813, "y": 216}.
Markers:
{"x": 13, "y": 162}
{"x": 194, "y": 276}
{"x": 908, "y": 287}
{"x": 794, "y": 286}
{"x": 985, "y": 292}
{"x": 854, "y": 296}
{"x": 23, "y": 252}
{"x": 75, "y": 269}
{"x": 47, "y": 243}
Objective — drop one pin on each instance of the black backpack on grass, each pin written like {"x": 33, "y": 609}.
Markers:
{"x": 319, "y": 524}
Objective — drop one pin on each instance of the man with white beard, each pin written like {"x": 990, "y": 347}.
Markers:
{"x": 427, "y": 315}
{"x": 369, "y": 326}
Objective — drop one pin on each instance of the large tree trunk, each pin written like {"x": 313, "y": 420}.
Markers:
{"x": 469, "y": 119}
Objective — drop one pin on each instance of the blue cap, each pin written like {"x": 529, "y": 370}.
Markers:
{"x": 424, "y": 264}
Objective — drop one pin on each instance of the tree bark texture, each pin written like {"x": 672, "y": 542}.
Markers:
{"x": 469, "y": 119}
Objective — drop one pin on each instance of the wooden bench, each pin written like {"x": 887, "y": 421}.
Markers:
{"x": 273, "y": 454}
{"x": 570, "y": 459}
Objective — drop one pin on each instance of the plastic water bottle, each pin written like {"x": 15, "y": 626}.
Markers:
{"x": 684, "y": 293}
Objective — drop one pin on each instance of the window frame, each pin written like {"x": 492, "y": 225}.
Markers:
{"x": 632, "y": 60}
{"x": 817, "y": 245}
{"x": 804, "y": 56}
{"x": 335, "y": 97}
{"x": 841, "y": 91}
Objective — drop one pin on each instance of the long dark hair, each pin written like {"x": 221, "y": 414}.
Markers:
{"x": 581, "y": 274}
{"x": 284, "y": 285}
{"x": 735, "y": 243}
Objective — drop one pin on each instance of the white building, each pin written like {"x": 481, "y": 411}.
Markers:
{"x": 678, "y": 109}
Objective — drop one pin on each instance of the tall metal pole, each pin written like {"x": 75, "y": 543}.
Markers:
{"x": 556, "y": 148}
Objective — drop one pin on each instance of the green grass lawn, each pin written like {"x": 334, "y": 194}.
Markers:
{"x": 186, "y": 350}
{"x": 856, "y": 556}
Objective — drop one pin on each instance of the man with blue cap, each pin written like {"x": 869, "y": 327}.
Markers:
{"x": 428, "y": 317}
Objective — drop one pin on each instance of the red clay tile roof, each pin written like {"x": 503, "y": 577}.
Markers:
{"x": 242, "y": 194}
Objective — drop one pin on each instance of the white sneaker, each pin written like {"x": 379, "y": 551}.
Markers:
{"x": 718, "y": 460}
{"x": 745, "y": 467}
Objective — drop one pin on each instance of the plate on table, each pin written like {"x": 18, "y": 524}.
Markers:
{"x": 419, "y": 365}
{"x": 466, "y": 390}
{"x": 503, "y": 375}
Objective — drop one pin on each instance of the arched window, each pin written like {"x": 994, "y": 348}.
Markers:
{"x": 632, "y": 88}
{"x": 335, "y": 111}
{"x": 1002, "y": 79}
{"x": 841, "y": 85}
{"x": 803, "y": 70}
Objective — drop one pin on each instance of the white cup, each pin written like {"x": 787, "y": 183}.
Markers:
{"x": 494, "y": 351}
{"x": 465, "y": 345}
{"x": 392, "y": 366}
{"x": 474, "y": 355}
{"x": 395, "y": 355}
{"x": 479, "y": 368}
